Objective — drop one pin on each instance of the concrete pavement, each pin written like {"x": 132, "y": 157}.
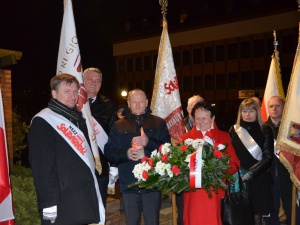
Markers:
{"x": 115, "y": 217}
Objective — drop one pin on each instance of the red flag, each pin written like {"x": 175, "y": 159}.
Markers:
{"x": 288, "y": 139}
{"x": 69, "y": 61}
{"x": 273, "y": 86}
{"x": 166, "y": 98}
{"x": 6, "y": 208}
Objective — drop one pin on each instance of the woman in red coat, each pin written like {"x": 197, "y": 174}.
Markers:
{"x": 199, "y": 209}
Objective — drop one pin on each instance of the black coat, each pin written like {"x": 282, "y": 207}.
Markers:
{"x": 61, "y": 177}
{"x": 187, "y": 124}
{"x": 260, "y": 184}
{"x": 104, "y": 111}
{"x": 119, "y": 141}
{"x": 278, "y": 169}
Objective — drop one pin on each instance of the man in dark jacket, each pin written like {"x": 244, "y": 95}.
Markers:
{"x": 103, "y": 110}
{"x": 137, "y": 134}
{"x": 61, "y": 160}
{"x": 189, "y": 120}
{"x": 282, "y": 181}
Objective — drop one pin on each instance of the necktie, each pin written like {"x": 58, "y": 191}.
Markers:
{"x": 91, "y": 100}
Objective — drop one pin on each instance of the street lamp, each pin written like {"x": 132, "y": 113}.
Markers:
{"x": 124, "y": 94}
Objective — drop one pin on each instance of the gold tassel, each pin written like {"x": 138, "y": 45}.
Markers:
{"x": 111, "y": 190}
{"x": 98, "y": 165}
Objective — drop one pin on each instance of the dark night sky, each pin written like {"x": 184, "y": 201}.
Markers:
{"x": 33, "y": 27}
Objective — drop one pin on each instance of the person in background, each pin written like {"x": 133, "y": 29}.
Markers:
{"x": 119, "y": 112}
{"x": 63, "y": 173}
{"x": 257, "y": 100}
{"x": 189, "y": 120}
{"x": 103, "y": 110}
{"x": 138, "y": 133}
{"x": 281, "y": 176}
{"x": 253, "y": 142}
{"x": 198, "y": 207}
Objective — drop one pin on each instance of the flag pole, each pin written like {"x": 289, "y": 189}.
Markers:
{"x": 164, "y": 4}
{"x": 294, "y": 199}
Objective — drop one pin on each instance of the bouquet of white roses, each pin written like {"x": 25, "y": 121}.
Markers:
{"x": 168, "y": 169}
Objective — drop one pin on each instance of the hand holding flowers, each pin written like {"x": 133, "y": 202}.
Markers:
{"x": 168, "y": 169}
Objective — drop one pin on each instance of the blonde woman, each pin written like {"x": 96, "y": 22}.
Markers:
{"x": 253, "y": 142}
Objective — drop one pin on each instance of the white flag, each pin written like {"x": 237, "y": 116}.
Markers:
{"x": 273, "y": 86}
{"x": 166, "y": 98}
{"x": 69, "y": 61}
{"x": 6, "y": 208}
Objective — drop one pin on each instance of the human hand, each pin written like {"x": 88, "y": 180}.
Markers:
{"x": 141, "y": 140}
{"x": 113, "y": 174}
{"x": 133, "y": 154}
{"x": 246, "y": 177}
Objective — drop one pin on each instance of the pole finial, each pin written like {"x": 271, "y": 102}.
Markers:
{"x": 275, "y": 42}
{"x": 164, "y": 4}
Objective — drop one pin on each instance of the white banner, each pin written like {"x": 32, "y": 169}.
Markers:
{"x": 69, "y": 61}
{"x": 273, "y": 86}
{"x": 166, "y": 98}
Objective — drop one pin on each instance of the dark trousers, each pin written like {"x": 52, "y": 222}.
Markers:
{"x": 103, "y": 182}
{"x": 287, "y": 206}
{"x": 179, "y": 204}
{"x": 148, "y": 203}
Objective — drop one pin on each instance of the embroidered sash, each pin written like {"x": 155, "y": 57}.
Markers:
{"x": 249, "y": 142}
{"x": 76, "y": 139}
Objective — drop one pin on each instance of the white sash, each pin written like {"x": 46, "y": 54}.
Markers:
{"x": 76, "y": 139}
{"x": 101, "y": 136}
{"x": 249, "y": 142}
{"x": 196, "y": 168}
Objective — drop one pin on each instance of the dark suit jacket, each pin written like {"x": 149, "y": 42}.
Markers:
{"x": 104, "y": 111}
{"x": 278, "y": 169}
{"x": 187, "y": 124}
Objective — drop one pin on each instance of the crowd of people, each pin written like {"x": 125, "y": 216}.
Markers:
{"x": 71, "y": 191}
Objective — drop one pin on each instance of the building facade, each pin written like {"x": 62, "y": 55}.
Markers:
{"x": 215, "y": 61}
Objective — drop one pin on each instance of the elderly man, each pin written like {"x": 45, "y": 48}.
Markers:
{"x": 138, "y": 133}
{"x": 103, "y": 110}
{"x": 61, "y": 160}
{"x": 282, "y": 181}
{"x": 257, "y": 100}
{"x": 189, "y": 121}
